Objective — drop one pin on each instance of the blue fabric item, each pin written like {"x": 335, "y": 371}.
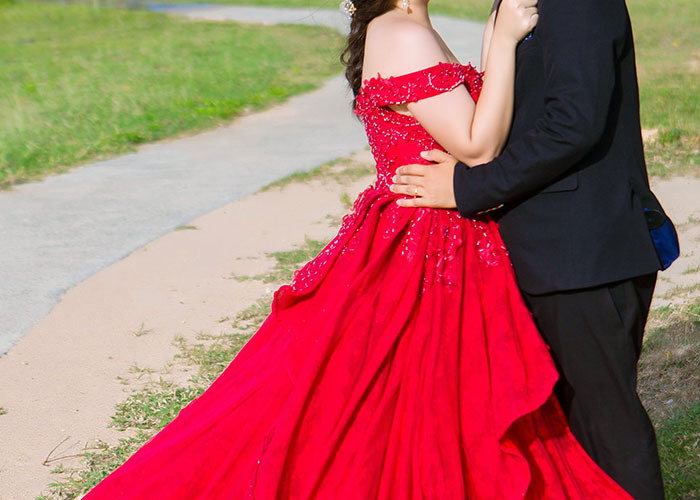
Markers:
{"x": 665, "y": 240}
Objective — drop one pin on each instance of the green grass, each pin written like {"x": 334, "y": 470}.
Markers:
{"x": 79, "y": 83}
{"x": 667, "y": 35}
{"x": 669, "y": 377}
{"x": 473, "y": 9}
{"x": 154, "y": 407}
{"x": 287, "y": 262}
{"x": 669, "y": 385}
{"x": 678, "y": 441}
{"x": 99, "y": 461}
{"x": 142, "y": 330}
{"x": 679, "y": 446}
{"x": 692, "y": 270}
{"x": 667, "y": 42}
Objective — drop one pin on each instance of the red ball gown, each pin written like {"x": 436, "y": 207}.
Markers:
{"x": 399, "y": 364}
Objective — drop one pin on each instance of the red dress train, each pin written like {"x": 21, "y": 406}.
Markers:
{"x": 400, "y": 364}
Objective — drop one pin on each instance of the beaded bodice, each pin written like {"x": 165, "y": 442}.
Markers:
{"x": 432, "y": 236}
{"x": 397, "y": 139}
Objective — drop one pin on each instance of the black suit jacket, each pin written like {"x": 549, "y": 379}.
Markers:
{"x": 571, "y": 219}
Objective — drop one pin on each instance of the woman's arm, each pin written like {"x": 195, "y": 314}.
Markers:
{"x": 473, "y": 133}
{"x": 486, "y": 42}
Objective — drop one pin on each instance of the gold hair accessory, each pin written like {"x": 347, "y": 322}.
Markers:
{"x": 348, "y": 7}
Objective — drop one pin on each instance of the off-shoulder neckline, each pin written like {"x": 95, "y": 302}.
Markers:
{"x": 374, "y": 79}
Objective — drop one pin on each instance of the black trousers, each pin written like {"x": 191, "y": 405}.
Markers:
{"x": 595, "y": 335}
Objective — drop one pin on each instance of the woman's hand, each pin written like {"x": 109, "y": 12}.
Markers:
{"x": 516, "y": 18}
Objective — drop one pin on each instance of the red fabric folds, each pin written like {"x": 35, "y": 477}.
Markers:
{"x": 400, "y": 364}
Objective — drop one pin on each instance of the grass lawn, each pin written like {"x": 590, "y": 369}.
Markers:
{"x": 78, "y": 83}
{"x": 669, "y": 385}
{"x": 667, "y": 39}
{"x": 472, "y": 9}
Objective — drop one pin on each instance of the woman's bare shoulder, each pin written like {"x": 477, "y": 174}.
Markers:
{"x": 395, "y": 30}
{"x": 396, "y": 45}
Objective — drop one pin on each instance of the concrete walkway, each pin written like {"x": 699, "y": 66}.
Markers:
{"x": 59, "y": 231}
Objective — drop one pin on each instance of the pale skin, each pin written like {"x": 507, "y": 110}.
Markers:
{"x": 403, "y": 41}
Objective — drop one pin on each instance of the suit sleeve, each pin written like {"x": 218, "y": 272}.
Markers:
{"x": 578, "y": 47}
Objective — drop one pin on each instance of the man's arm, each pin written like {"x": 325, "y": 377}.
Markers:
{"x": 578, "y": 45}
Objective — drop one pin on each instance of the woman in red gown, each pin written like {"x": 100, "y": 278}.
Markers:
{"x": 399, "y": 364}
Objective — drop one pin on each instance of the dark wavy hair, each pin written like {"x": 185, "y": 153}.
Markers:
{"x": 353, "y": 55}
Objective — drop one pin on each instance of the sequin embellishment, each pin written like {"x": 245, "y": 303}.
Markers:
{"x": 397, "y": 139}
{"x": 389, "y": 132}
{"x": 309, "y": 274}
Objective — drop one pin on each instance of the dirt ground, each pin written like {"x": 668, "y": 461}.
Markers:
{"x": 61, "y": 382}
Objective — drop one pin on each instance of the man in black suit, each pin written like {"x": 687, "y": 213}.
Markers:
{"x": 570, "y": 179}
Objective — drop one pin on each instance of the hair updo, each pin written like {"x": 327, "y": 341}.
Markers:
{"x": 353, "y": 55}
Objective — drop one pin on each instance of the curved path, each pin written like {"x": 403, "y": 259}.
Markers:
{"x": 59, "y": 231}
